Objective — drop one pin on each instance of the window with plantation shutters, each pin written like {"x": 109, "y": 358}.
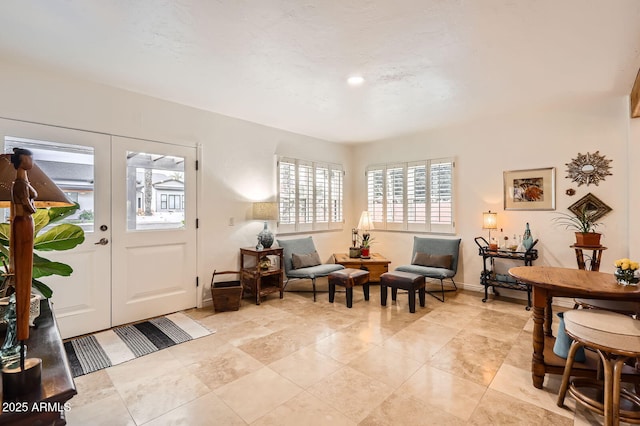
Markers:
{"x": 310, "y": 195}
{"x": 414, "y": 196}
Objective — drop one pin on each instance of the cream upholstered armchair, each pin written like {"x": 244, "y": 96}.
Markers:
{"x": 435, "y": 258}
{"x": 301, "y": 261}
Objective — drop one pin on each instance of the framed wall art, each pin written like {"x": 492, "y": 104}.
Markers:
{"x": 592, "y": 204}
{"x": 533, "y": 189}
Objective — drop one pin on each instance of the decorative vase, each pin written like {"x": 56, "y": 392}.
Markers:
{"x": 34, "y": 308}
{"x": 563, "y": 343}
{"x": 626, "y": 276}
{"x": 527, "y": 239}
{"x": 354, "y": 252}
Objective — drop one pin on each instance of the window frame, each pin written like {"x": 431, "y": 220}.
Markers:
{"x": 418, "y": 206}
{"x": 305, "y": 189}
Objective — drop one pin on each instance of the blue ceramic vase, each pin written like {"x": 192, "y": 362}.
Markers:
{"x": 563, "y": 343}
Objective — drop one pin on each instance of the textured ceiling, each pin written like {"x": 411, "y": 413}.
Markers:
{"x": 284, "y": 63}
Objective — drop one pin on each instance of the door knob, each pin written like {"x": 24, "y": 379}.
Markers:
{"x": 102, "y": 242}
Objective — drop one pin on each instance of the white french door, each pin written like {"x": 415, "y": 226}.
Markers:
{"x": 154, "y": 229}
{"x": 138, "y": 259}
{"x": 78, "y": 162}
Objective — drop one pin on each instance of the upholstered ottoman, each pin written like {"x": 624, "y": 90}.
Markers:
{"x": 348, "y": 278}
{"x": 405, "y": 281}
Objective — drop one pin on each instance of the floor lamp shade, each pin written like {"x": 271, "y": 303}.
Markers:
{"x": 49, "y": 195}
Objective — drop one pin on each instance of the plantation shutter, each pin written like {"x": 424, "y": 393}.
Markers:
{"x": 441, "y": 195}
{"x": 336, "y": 195}
{"x": 375, "y": 196}
{"x": 417, "y": 196}
{"x": 286, "y": 195}
{"x": 321, "y": 185}
{"x": 395, "y": 196}
{"x": 305, "y": 196}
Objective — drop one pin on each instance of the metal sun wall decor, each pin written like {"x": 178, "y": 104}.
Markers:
{"x": 588, "y": 168}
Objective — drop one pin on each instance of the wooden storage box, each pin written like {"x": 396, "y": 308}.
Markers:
{"x": 226, "y": 295}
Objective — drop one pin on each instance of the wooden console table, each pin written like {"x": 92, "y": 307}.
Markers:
{"x": 260, "y": 282}
{"x": 376, "y": 265}
{"x": 48, "y": 405}
{"x": 549, "y": 282}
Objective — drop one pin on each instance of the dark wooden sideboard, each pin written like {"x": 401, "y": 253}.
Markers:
{"x": 46, "y": 406}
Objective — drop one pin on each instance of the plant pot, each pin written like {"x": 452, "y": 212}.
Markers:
{"x": 364, "y": 252}
{"x": 588, "y": 239}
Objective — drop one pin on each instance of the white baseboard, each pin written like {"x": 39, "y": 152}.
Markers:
{"x": 565, "y": 302}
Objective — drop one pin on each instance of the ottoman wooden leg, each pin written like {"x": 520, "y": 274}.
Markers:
{"x": 332, "y": 292}
{"x": 349, "y": 297}
{"x": 394, "y": 293}
{"x": 365, "y": 288}
{"x": 412, "y": 301}
{"x": 421, "y": 294}
{"x": 383, "y": 295}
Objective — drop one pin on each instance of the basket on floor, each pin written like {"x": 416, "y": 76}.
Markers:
{"x": 226, "y": 295}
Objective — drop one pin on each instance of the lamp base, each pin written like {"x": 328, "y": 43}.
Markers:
{"x": 266, "y": 237}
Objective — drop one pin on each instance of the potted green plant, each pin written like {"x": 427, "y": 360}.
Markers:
{"x": 584, "y": 224}
{"x": 64, "y": 236}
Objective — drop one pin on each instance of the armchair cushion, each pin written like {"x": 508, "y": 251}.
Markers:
{"x": 427, "y": 271}
{"x": 305, "y": 260}
{"x": 432, "y": 260}
{"x": 314, "y": 271}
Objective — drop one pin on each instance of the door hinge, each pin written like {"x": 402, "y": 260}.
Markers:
{"x": 197, "y": 281}
{"x": 197, "y": 223}
{"x": 197, "y": 164}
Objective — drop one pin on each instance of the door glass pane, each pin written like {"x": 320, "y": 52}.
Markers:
{"x": 68, "y": 166}
{"x": 155, "y": 191}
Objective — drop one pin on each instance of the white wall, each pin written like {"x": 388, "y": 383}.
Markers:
{"x": 238, "y": 164}
{"x": 533, "y": 139}
{"x": 237, "y": 157}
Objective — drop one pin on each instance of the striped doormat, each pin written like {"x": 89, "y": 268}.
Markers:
{"x": 111, "y": 347}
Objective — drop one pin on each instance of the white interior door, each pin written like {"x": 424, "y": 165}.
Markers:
{"x": 78, "y": 162}
{"x": 154, "y": 229}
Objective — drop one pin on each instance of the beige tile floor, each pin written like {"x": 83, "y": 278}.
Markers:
{"x": 296, "y": 362}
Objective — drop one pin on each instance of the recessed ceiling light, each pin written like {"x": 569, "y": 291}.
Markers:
{"x": 355, "y": 80}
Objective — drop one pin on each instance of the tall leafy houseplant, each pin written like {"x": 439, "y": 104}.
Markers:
{"x": 64, "y": 236}
{"x": 584, "y": 224}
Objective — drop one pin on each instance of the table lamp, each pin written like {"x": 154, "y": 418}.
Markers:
{"x": 489, "y": 221}
{"x": 265, "y": 211}
{"x": 23, "y": 188}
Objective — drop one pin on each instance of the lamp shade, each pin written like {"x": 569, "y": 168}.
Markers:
{"x": 49, "y": 195}
{"x": 265, "y": 211}
{"x": 489, "y": 220}
{"x": 365, "y": 223}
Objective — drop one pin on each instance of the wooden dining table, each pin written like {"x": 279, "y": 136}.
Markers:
{"x": 549, "y": 282}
